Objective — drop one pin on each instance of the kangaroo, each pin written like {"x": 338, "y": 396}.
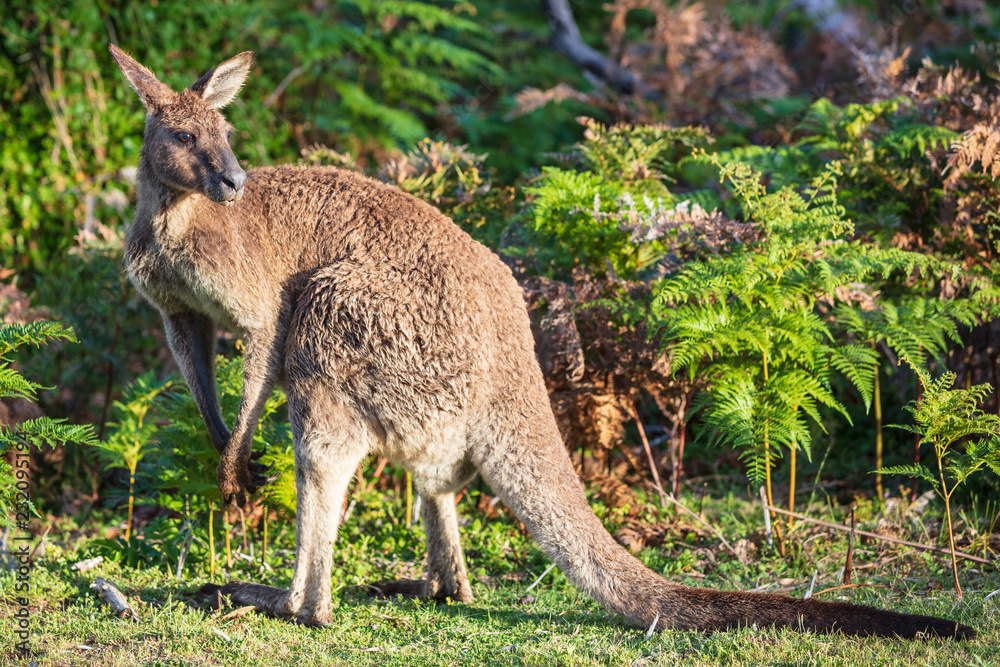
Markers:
{"x": 394, "y": 333}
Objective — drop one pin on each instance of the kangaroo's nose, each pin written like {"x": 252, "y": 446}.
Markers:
{"x": 233, "y": 181}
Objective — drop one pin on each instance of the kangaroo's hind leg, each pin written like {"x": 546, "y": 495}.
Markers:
{"x": 446, "y": 574}
{"x": 327, "y": 453}
{"x": 329, "y": 445}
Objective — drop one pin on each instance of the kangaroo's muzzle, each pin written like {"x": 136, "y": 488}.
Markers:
{"x": 230, "y": 186}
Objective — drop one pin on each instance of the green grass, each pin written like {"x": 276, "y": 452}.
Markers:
{"x": 70, "y": 626}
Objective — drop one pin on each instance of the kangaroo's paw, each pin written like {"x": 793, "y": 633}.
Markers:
{"x": 240, "y": 477}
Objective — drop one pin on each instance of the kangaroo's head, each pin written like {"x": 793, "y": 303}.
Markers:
{"x": 187, "y": 138}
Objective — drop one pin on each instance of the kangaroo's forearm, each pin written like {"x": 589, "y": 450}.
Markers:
{"x": 191, "y": 337}
{"x": 262, "y": 365}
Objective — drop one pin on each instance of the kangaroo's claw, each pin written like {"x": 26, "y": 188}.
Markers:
{"x": 259, "y": 481}
{"x": 259, "y": 468}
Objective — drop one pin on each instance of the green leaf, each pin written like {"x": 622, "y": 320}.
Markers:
{"x": 911, "y": 470}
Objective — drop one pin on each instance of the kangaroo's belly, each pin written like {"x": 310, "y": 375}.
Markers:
{"x": 435, "y": 452}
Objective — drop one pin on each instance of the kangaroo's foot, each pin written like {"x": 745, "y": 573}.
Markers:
{"x": 419, "y": 588}
{"x": 449, "y": 584}
{"x": 408, "y": 588}
{"x": 268, "y": 600}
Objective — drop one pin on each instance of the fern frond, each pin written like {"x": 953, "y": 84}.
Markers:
{"x": 13, "y": 384}
{"x": 32, "y": 333}
{"x": 911, "y": 470}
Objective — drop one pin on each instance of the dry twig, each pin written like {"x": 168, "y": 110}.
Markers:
{"x": 884, "y": 538}
{"x": 837, "y": 588}
{"x": 236, "y": 613}
{"x": 848, "y": 562}
{"x": 649, "y": 452}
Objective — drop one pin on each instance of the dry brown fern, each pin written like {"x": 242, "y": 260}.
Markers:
{"x": 594, "y": 368}
{"x": 980, "y": 144}
{"x": 694, "y": 68}
{"x": 701, "y": 65}
{"x": 882, "y": 74}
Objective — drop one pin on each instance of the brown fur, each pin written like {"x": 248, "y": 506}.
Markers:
{"x": 394, "y": 333}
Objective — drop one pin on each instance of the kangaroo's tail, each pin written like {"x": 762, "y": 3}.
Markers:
{"x": 528, "y": 467}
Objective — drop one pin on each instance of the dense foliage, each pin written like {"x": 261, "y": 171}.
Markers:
{"x": 737, "y": 253}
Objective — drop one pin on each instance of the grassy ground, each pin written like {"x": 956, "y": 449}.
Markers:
{"x": 558, "y": 627}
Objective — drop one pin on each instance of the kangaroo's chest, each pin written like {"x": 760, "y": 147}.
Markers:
{"x": 195, "y": 271}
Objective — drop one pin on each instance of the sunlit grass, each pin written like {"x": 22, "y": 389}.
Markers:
{"x": 560, "y": 626}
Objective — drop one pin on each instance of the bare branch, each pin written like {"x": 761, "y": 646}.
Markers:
{"x": 567, "y": 40}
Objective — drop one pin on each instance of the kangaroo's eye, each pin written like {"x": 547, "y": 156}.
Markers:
{"x": 228, "y": 135}
{"x": 184, "y": 137}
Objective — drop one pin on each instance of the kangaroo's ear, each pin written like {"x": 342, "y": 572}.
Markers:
{"x": 154, "y": 95}
{"x": 219, "y": 87}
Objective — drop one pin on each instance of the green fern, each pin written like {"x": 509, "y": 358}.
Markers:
{"x": 576, "y": 215}
{"x": 913, "y": 328}
{"x": 881, "y": 149}
{"x": 35, "y": 432}
{"x": 159, "y": 435}
{"x": 133, "y": 432}
{"x": 965, "y": 439}
{"x": 635, "y": 152}
{"x": 751, "y": 325}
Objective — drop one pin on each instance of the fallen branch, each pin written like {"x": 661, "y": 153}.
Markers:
{"x": 884, "y": 538}
{"x": 114, "y": 597}
{"x": 88, "y": 564}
